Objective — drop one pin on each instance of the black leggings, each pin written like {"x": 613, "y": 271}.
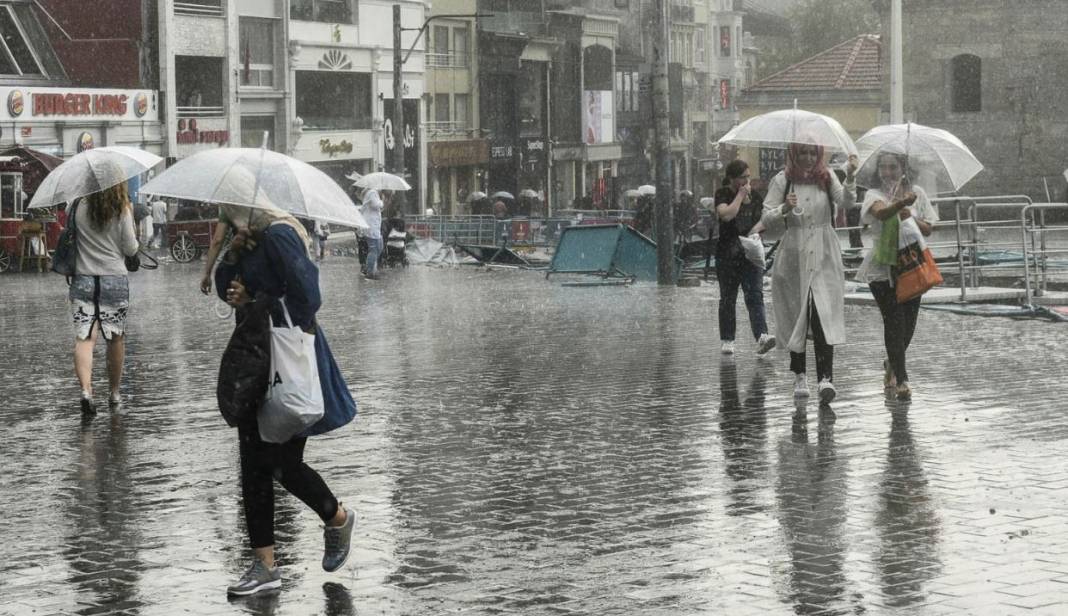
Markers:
{"x": 824, "y": 351}
{"x": 899, "y": 324}
{"x": 261, "y": 464}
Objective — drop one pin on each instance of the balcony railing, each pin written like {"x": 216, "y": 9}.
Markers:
{"x": 201, "y": 112}
{"x": 446, "y": 60}
{"x": 447, "y": 128}
{"x": 211, "y": 8}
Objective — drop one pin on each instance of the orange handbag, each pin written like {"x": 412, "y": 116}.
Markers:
{"x": 915, "y": 272}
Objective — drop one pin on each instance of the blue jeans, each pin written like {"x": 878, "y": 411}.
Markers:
{"x": 374, "y": 250}
{"x": 733, "y": 273}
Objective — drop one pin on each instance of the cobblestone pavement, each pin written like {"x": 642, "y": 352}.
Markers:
{"x": 528, "y": 448}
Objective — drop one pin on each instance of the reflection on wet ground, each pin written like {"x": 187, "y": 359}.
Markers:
{"x": 526, "y": 448}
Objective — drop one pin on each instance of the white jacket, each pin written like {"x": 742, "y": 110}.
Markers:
{"x": 808, "y": 260}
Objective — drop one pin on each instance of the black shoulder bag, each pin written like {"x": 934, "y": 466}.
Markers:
{"x": 65, "y": 257}
{"x": 246, "y": 365}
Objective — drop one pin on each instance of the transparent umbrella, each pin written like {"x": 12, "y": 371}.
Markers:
{"x": 258, "y": 178}
{"x": 529, "y": 193}
{"x": 476, "y": 195}
{"x": 937, "y": 160}
{"x": 380, "y": 180}
{"x": 777, "y": 129}
{"x": 646, "y": 189}
{"x": 503, "y": 194}
{"x": 92, "y": 171}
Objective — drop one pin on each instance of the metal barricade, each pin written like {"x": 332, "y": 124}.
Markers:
{"x": 478, "y": 230}
{"x": 1038, "y": 254}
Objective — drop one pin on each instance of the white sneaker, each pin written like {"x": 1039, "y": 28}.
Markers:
{"x": 765, "y": 344}
{"x": 727, "y": 347}
{"x": 800, "y": 385}
{"x": 827, "y": 391}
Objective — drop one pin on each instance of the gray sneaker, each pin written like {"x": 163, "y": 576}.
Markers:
{"x": 257, "y": 578}
{"x": 765, "y": 344}
{"x": 336, "y": 541}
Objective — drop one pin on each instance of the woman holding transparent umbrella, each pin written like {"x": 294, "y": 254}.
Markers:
{"x": 808, "y": 279}
{"x": 892, "y": 194}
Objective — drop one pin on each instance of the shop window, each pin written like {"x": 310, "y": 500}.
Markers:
{"x": 257, "y": 52}
{"x": 18, "y": 58}
{"x": 334, "y": 100}
{"x": 967, "y": 83}
{"x": 328, "y": 11}
{"x": 11, "y": 203}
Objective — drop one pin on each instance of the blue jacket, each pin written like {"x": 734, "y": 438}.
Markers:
{"x": 279, "y": 266}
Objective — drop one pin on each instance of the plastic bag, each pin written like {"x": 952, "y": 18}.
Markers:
{"x": 294, "y": 399}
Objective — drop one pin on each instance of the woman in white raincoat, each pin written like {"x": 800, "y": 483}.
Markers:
{"x": 807, "y": 279}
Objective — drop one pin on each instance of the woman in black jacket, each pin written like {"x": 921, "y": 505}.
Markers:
{"x": 739, "y": 210}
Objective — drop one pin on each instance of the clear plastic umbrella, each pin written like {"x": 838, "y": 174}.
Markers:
{"x": 380, "y": 180}
{"x": 646, "y": 189}
{"x": 476, "y": 195}
{"x": 529, "y": 193}
{"x": 92, "y": 171}
{"x": 937, "y": 160}
{"x": 258, "y": 178}
{"x": 777, "y": 129}
{"x": 503, "y": 194}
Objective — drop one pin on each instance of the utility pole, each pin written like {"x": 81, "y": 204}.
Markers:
{"x": 897, "y": 95}
{"x": 398, "y": 109}
{"x": 665, "y": 257}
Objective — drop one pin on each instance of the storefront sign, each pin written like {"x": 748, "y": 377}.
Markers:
{"x": 83, "y": 104}
{"x": 501, "y": 151}
{"x": 332, "y": 149}
{"x": 459, "y": 153}
{"x": 772, "y": 160}
{"x": 189, "y": 134}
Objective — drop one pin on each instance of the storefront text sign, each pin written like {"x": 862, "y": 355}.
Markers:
{"x": 332, "y": 149}
{"x": 459, "y": 153}
{"x": 189, "y": 134}
{"x": 84, "y": 104}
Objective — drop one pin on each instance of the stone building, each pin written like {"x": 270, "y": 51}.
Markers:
{"x": 993, "y": 73}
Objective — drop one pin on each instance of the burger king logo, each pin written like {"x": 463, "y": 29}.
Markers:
{"x": 85, "y": 142}
{"x": 141, "y": 104}
{"x": 15, "y": 103}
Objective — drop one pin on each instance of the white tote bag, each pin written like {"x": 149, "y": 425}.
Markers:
{"x": 294, "y": 396}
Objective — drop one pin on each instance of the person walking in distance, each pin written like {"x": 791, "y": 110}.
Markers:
{"x": 808, "y": 279}
{"x": 739, "y": 210}
{"x": 371, "y": 208}
{"x": 100, "y": 290}
{"x": 159, "y": 223}
{"x": 265, "y": 267}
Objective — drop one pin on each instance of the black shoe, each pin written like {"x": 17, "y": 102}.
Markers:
{"x": 87, "y": 407}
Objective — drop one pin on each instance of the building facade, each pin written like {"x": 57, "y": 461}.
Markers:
{"x": 310, "y": 78}
{"x": 75, "y": 77}
{"x": 993, "y": 74}
{"x": 457, "y": 152}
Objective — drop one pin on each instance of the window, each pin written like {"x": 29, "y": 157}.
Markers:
{"x": 699, "y": 46}
{"x": 198, "y": 83}
{"x": 257, "y": 52}
{"x": 440, "y": 54}
{"x": 334, "y": 100}
{"x": 460, "y": 46}
{"x": 967, "y": 83}
{"x": 15, "y": 55}
{"x": 441, "y": 108}
{"x": 253, "y": 128}
{"x": 462, "y": 111}
{"x": 328, "y": 11}
{"x": 725, "y": 41}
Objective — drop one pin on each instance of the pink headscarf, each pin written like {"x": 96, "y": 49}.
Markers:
{"x": 819, "y": 174}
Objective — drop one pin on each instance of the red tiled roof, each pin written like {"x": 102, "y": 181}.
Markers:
{"x": 855, "y": 64}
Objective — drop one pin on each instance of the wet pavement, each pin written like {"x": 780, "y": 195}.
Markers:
{"x": 528, "y": 448}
